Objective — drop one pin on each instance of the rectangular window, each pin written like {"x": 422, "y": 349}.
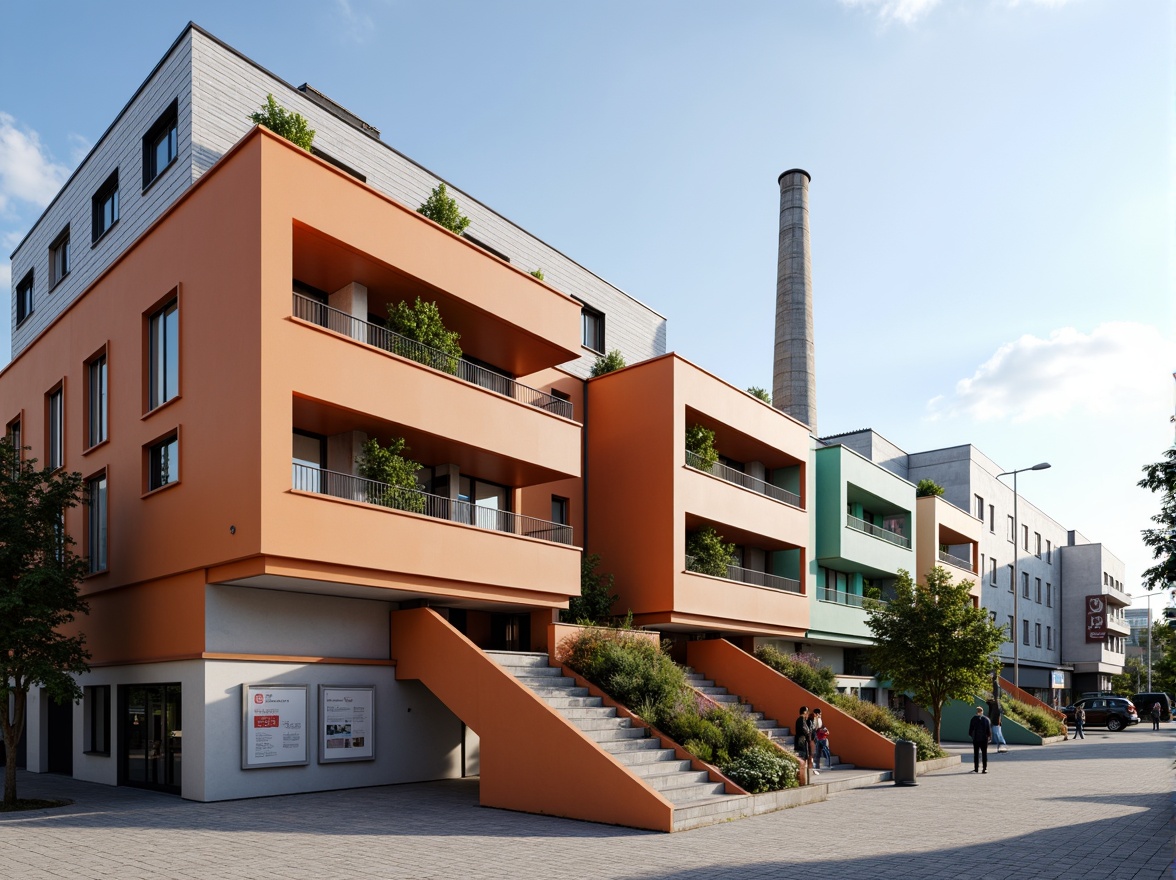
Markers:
{"x": 1049, "y": 638}
{"x": 1025, "y": 536}
{"x": 979, "y": 508}
{"x": 992, "y": 518}
{"x": 559, "y": 510}
{"x": 97, "y": 521}
{"x": 1012, "y": 632}
{"x": 54, "y": 415}
{"x": 1037, "y": 544}
{"x": 160, "y": 145}
{"x": 592, "y": 329}
{"x": 13, "y": 435}
{"x": 1025, "y": 584}
{"x": 1012, "y": 535}
{"x": 1049, "y": 595}
{"x": 59, "y": 258}
{"x": 1024, "y": 632}
{"x": 992, "y": 571}
{"x": 1037, "y": 634}
{"x": 96, "y": 411}
{"x": 165, "y": 354}
{"x": 105, "y": 206}
{"x": 163, "y": 463}
{"x": 1038, "y": 586}
{"x": 24, "y": 297}
{"x": 96, "y": 710}
{"x": 1012, "y": 586}
{"x": 1049, "y": 552}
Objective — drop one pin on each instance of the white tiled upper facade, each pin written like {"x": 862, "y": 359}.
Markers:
{"x": 216, "y": 89}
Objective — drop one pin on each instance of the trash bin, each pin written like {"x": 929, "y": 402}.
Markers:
{"x": 904, "y": 762}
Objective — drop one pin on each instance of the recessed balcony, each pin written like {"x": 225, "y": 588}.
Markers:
{"x": 750, "y": 576}
{"x": 307, "y": 478}
{"x": 738, "y": 478}
{"x": 949, "y": 559}
{"x": 876, "y": 531}
{"x": 367, "y": 333}
{"x": 844, "y": 597}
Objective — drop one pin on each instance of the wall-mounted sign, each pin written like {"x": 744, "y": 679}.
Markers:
{"x": 1057, "y": 678}
{"x": 273, "y": 726}
{"x": 347, "y": 723}
{"x": 1096, "y": 618}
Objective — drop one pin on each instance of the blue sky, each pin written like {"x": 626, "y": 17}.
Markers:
{"x": 991, "y": 204}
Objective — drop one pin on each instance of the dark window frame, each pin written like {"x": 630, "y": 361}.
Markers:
{"x": 158, "y": 353}
{"x": 59, "y": 258}
{"x": 158, "y": 472}
{"x": 24, "y": 297}
{"x": 597, "y": 342}
{"x": 55, "y": 427}
{"x": 165, "y": 130}
{"x": 108, "y": 192}
{"x": 560, "y": 510}
{"x": 97, "y": 706}
{"x": 97, "y": 564}
{"x": 97, "y": 400}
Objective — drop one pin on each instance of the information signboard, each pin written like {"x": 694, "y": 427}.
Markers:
{"x": 1096, "y": 618}
{"x": 347, "y": 723}
{"x": 273, "y": 725}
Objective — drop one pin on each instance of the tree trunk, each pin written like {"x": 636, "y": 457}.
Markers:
{"x": 13, "y": 729}
{"x": 936, "y": 716}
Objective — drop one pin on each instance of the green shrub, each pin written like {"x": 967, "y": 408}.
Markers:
{"x": 292, "y": 126}
{"x": 1033, "y": 717}
{"x": 394, "y": 476}
{"x": 927, "y": 487}
{"x": 762, "y": 393}
{"x": 761, "y": 769}
{"x": 538, "y": 273}
{"x": 701, "y": 441}
{"x": 803, "y": 669}
{"x": 709, "y": 553}
{"x": 882, "y": 720}
{"x": 441, "y": 208}
{"x": 421, "y": 322}
{"x": 607, "y": 363}
{"x": 593, "y": 607}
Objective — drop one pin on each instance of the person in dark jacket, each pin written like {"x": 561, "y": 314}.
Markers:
{"x": 804, "y": 741}
{"x": 980, "y": 732}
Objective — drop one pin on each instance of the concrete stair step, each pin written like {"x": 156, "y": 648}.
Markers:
{"x": 559, "y": 692}
{"x": 699, "y": 682}
{"x": 562, "y": 702}
{"x": 710, "y": 811}
{"x": 595, "y": 724}
{"x": 545, "y": 680}
{"x": 765, "y": 723}
{"x": 657, "y": 768}
{"x": 519, "y": 659}
{"x": 575, "y": 712}
{"x": 710, "y": 690}
{"x": 726, "y": 699}
{"x": 623, "y": 750}
{"x": 688, "y": 793}
{"x": 616, "y": 734}
{"x": 664, "y": 782}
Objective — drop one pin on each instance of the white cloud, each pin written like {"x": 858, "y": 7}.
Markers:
{"x": 357, "y": 26}
{"x": 909, "y": 11}
{"x": 79, "y": 146}
{"x": 1115, "y": 368}
{"x": 27, "y": 172}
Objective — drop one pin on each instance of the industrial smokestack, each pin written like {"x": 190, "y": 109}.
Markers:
{"x": 794, "y": 373}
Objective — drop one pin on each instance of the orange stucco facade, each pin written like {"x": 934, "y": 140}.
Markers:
{"x": 644, "y": 498}
{"x": 948, "y": 537}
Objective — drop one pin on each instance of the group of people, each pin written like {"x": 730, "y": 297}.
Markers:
{"x": 812, "y": 740}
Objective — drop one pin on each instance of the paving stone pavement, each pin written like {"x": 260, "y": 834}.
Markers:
{"x": 1093, "y": 809}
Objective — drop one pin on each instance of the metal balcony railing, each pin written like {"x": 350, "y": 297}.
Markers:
{"x": 755, "y": 578}
{"x": 860, "y": 525}
{"x": 965, "y": 564}
{"x": 323, "y": 482}
{"x": 723, "y": 472}
{"x": 336, "y": 321}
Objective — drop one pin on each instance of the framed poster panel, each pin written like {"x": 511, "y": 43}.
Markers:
{"x": 347, "y": 723}
{"x": 274, "y": 727}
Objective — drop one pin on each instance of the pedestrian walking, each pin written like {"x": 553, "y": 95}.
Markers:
{"x": 994, "y": 715}
{"x": 980, "y": 732}
{"x": 821, "y": 733}
{"x": 1156, "y": 712}
{"x": 804, "y": 741}
{"x": 1079, "y": 723}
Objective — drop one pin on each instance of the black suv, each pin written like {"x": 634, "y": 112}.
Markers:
{"x": 1115, "y": 713}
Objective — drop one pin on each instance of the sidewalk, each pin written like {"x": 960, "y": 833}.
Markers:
{"x": 1099, "y": 807}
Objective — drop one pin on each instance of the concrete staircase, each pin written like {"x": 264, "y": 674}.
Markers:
{"x": 769, "y": 727}
{"x": 696, "y": 800}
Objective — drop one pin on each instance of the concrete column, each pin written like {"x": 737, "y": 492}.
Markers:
{"x": 351, "y": 298}
{"x": 794, "y": 375}
{"x": 343, "y": 450}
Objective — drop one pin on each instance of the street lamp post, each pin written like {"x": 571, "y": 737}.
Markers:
{"x": 1016, "y": 552}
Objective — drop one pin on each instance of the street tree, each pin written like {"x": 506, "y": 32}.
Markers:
{"x": 1133, "y": 678}
{"x": 39, "y": 598}
{"x": 931, "y": 642}
{"x": 1161, "y": 477}
{"x": 1163, "y": 656}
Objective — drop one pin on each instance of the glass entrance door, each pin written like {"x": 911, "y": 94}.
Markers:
{"x": 152, "y": 736}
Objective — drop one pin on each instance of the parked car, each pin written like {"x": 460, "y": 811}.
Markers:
{"x": 1144, "y": 703}
{"x": 1115, "y": 713}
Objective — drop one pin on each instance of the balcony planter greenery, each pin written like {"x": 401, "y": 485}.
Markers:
{"x": 608, "y": 363}
{"x": 441, "y": 208}
{"x": 762, "y": 393}
{"x": 701, "y": 441}
{"x": 421, "y": 322}
{"x": 927, "y": 487}
{"x": 709, "y": 553}
{"x": 394, "y": 476}
{"x": 292, "y": 126}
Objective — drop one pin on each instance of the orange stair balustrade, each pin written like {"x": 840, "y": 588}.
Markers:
{"x": 781, "y": 698}
{"x": 532, "y": 758}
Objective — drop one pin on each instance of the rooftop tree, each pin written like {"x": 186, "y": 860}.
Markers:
{"x": 292, "y": 126}
{"x": 441, "y": 208}
{"x": 39, "y": 598}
